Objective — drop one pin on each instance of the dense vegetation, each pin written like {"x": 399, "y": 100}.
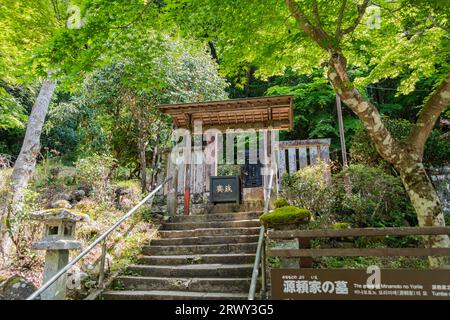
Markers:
{"x": 80, "y": 82}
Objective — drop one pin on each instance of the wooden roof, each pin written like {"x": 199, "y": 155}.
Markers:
{"x": 250, "y": 113}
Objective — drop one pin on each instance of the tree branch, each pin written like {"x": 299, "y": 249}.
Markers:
{"x": 386, "y": 145}
{"x": 339, "y": 19}
{"x": 138, "y": 17}
{"x": 439, "y": 25}
{"x": 361, "y": 10}
{"x": 316, "y": 13}
{"x": 315, "y": 32}
{"x": 434, "y": 106}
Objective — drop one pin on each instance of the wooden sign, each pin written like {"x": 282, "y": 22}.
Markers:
{"x": 360, "y": 284}
{"x": 225, "y": 189}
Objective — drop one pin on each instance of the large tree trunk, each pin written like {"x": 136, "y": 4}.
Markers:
{"x": 404, "y": 157}
{"x": 426, "y": 203}
{"x": 26, "y": 162}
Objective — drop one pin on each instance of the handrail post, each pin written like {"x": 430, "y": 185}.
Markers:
{"x": 263, "y": 269}
{"x": 260, "y": 258}
{"x": 101, "y": 275}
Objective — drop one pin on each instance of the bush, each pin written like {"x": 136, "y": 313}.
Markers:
{"x": 229, "y": 170}
{"x": 309, "y": 188}
{"x": 285, "y": 215}
{"x": 376, "y": 199}
{"x": 95, "y": 172}
{"x": 280, "y": 202}
{"x": 340, "y": 225}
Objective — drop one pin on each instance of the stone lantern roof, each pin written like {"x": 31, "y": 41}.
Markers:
{"x": 59, "y": 229}
{"x": 58, "y": 214}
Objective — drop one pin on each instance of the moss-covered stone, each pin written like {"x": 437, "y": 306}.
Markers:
{"x": 286, "y": 215}
{"x": 280, "y": 202}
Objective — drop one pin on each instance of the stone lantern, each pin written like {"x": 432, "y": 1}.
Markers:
{"x": 58, "y": 238}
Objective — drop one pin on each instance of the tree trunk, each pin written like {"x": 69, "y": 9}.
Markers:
{"x": 406, "y": 159}
{"x": 152, "y": 166}
{"x": 142, "y": 161}
{"x": 426, "y": 203}
{"x": 26, "y": 162}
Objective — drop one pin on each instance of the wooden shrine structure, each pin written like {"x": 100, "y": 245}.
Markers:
{"x": 232, "y": 119}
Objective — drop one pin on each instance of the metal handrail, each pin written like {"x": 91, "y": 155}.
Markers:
{"x": 94, "y": 243}
{"x": 260, "y": 257}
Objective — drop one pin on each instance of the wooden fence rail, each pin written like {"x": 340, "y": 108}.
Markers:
{"x": 304, "y": 236}
{"x": 358, "y": 232}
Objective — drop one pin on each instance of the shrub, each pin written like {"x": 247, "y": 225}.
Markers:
{"x": 286, "y": 215}
{"x": 95, "y": 172}
{"x": 340, "y": 225}
{"x": 376, "y": 199}
{"x": 280, "y": 202}
{"x": 229, "y": 170}
{"x": 309, "y": 188}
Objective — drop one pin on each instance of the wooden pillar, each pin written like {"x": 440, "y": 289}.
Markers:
{"x": 292, "y": 159}
{"x": 313, "y": 155}
{"x": 302, "y": 157}
{"x": 281, "y": 165}
{"x": 305, "y": 262}
{"x": 217, "y": 153}
{"x": 198, "y": 166}
{"x": 210, "y": 158}
{"x": 187, "y": 167}
{"x": 172, "y": 186}
{"x": 268, "y": 161}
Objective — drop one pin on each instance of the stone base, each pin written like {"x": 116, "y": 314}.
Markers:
{"x": 253, "y": 200}
{"x": 55, "y": 260}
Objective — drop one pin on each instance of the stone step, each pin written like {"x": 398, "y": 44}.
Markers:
{"x": 193, "y": 270}
{"x": 232, "y": 216}
{"x": 233, "y": 258}
{"x": 209, "y": 232}
{"x": 200, "y": 249}
{"x": 205, "y": 240}
{"x": 172, "y": 295}
{"x": 212, "y": 224}
{"x": 231, "y": 207}
{"x": 237, "y": 285}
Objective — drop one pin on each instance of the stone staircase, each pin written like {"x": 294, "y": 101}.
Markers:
{"x": 207, "y": 256}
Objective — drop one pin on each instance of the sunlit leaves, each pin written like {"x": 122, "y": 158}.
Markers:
{"x": 406, "y": 39}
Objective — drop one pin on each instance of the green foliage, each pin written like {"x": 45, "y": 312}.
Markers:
{"x": 364, "y": 262}
{"x": 280, "y": 202}
{"x": 340, "y": 225}
{"x": 361, "y": 196}
{"x": 25, "y": 26}
{"x": 376, "y": 199}
{"x": 309, "y": 188}
{"x": 313, "y": 103}
{"x": 229, "y": 169}
{"x": 362, "y": 150}
{"x": 285, "y": 215}
{"x": 386, "y": 51}
{"x": 12, "y": 113}
{"x": 115, "y": 108}
{"x": 95, "y": 172}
